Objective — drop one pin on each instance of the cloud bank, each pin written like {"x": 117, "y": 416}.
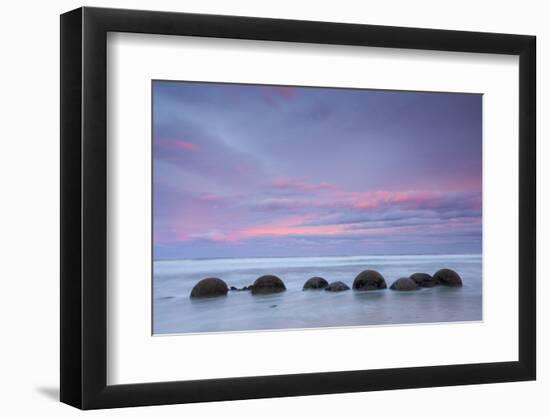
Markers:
{"x": 243, "y": 170}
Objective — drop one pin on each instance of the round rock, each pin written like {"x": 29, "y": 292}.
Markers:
{"x": 336, "y": 286}
{"x": 315, "y": 283}
{"x": 209, "y": 287}
{"x": 424, "y": 280}
{"x": 268, "y": 284}
{"x": 448, "y": 277}
{"x": 369, "y": 280}
{"x": 404, "y": 284}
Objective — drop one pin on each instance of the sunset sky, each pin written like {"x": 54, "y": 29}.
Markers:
{"x": 244, "y": 170}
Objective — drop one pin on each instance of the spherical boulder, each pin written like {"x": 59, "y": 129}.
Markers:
{"x": 336, "y": 286}
{"x": 404, "y": 284}
{"x": 268, "y": 284}
{"x": 209, "y": 287}
{"x": 424, "y": 280}
{"x": 369, "y": 280}
{"x": 448, "y": 277}
{"x": 315, "y": 283}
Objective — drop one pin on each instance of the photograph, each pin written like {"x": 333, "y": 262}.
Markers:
{"x": 276, "y": 205}
{"x": 281, "y": 207}
{"x": 270, "y": 204}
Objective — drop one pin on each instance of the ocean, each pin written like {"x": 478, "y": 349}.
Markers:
{"x": 175, "y": 313}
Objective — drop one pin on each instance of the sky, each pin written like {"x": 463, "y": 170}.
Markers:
{"x": 256, "y": 170}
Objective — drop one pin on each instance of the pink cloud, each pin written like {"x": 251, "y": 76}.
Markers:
{"x": 284, "y": 91}
{"x": 411, "y": 200}
{"x": 188, "y": 146}
{"x": 379, "y": 198}
{"x": 179, "y": 144}
{"x": 292, "y": 225}
{"x": 270, "y": 94}
{"x": 320, "y": 209}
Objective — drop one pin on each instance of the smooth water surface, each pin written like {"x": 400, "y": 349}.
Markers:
{"x": 175, "y": 312}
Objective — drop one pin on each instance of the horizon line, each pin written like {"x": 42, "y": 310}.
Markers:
{"x": 318, "y": 256}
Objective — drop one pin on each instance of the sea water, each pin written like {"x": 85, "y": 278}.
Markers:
{"x": 175, "y": 312}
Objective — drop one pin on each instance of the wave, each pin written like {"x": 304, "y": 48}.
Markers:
{"x": 213, "y": 265}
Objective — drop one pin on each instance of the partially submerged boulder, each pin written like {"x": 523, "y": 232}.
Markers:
{"x": 268, "y": 284}
{"x": 424, "y": 280}
{"x": 315, "y": 283}
{"x": 336, "y": 286}
{"x": 209, "y": 287}
{"x": 369, "y": 280}
{"x": 404, "y": 284}
{"x": 448, "y": 277}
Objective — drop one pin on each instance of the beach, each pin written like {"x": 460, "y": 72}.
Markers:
{"x": 174, "y": 312}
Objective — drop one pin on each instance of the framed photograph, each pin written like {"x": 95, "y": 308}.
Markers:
{"x": 258, "y": 207}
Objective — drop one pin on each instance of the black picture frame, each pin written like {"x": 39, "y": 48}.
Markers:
{"x": 84, "y": 207}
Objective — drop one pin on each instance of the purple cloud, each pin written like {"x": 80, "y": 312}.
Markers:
{"x": 244, "y": 170}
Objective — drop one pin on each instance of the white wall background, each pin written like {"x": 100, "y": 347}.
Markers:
{"x": 29, "y": 237}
